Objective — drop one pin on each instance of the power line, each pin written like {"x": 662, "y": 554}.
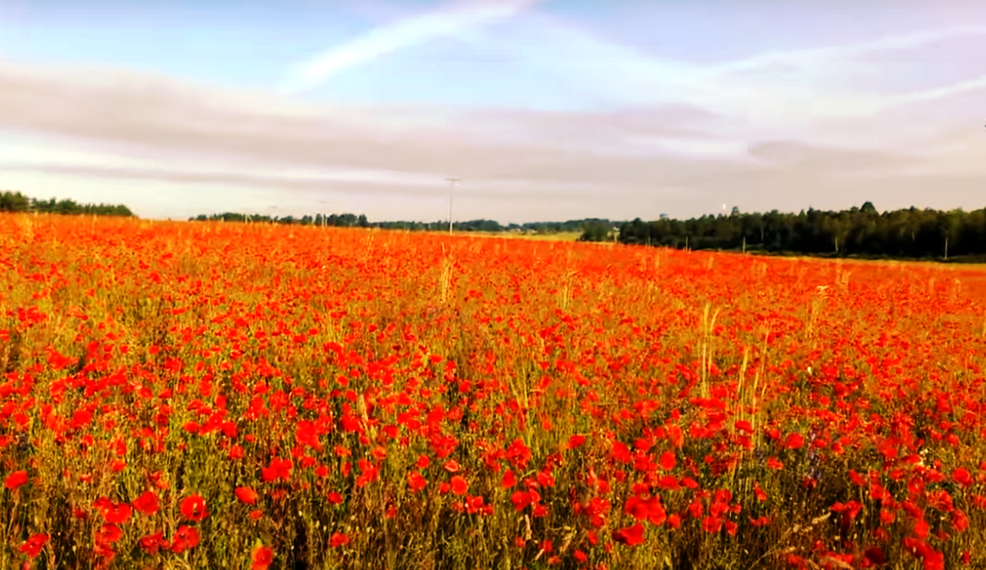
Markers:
{"x": 452, "y": 183}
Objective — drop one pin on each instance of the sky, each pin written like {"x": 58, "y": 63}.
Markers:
{"x": 544, "y": 109}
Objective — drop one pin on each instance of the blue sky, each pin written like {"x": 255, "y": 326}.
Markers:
{"x": 549, "y": 109}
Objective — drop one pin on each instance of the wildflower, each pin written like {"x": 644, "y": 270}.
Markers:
{"x": 338, "y": 539}
{"x": 711, "y": 524}
{"x": 509, "y": 480}
{"x": 278, "y": 469}
{"x": 459, "y": 485}
{"x": 794, "y": 441}
{"x": 236, "y": 452}
{"x": 193, "y": 508}
{"x": 760, "y": 494}
{"x": 416, "y": 482}
{"x": 15, "y": 480}
{"x": 33, "y": 545}
{"x": 262, "y": 558}
{"x": 630, "y": 536}
{"x": 186, "y": 538}
{"x": 108, "y": 534}
{"x": 667, "y": 460}
{"x": 146, "y": 504}
{"x": 246, "y": 495}
{"x": 114, "y": 513}
{"x": 962, "y": 477}
{"x": 152, "y": 542}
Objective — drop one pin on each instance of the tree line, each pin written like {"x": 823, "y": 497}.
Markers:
{"x": 859, "y": 231}
{"x": 17, "y": 202}
{"x": 589, "y": 228}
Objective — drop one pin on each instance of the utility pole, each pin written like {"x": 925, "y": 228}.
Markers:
{"x": 452, "y": 183}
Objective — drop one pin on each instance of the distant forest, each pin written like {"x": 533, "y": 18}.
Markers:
{"x": 17, "y": 202}
{"x": 856, "y": 232}
{"x": 860, "y": 231}
{"x": 354, "y": 221}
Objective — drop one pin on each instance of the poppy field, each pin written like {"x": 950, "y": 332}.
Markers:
{"x": 209, "y": 395}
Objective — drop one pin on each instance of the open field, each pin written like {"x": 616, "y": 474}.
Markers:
{"x": 181, "y": 395}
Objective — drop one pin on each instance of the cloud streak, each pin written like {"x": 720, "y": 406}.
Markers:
{"x": 894, "y": 42}
{"x": 453, "y": 19}
{"x": 789, "y": 92}
{"x": 151, "y": 112}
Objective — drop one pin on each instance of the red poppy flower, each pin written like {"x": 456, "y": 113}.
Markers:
{"x": 147, "y": 503}
{"x": 116, "y": 514}
{"x": 236, "y": 452}
{"x": 262, "y": 558}
{"x": 667, "y": 460}
{"x": 759, "y": 492}
{"x": 246, "y": 495}
{"x": 193, "y": 508}
{"x": 712, "y": 524}
{"x": 962, "y": 477}
{"x": 794, "y": 441}
{"x": 108, "y": 534}
{"x": 33, "y": 545}
{"x": 152, "y": 542}
{"x": 15, "y": 480}
{"x": 631, "y": 535}
{"x": 416, "y": 482}
{"x": 459, "y": 485}
{"x": 338, "y": 539}
{"x": 278, "y": 469}
{"x": 509, "y": 479}
{"x": 187, "y": 537}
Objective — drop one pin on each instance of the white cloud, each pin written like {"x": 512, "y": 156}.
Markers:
{"x": 787, "y": 93}
{"x": 452, "y": 19}
{"x": 843, "y": 52}
{"x": 941, "y": 92}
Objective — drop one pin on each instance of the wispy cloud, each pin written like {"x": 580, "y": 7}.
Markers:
{"x": 941, "y": 92}
{"x": 844, "y": 52}
{"x": 451, "y": 19}
{"x": 790, "y": 93}
{"x": 145, "y": 111}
